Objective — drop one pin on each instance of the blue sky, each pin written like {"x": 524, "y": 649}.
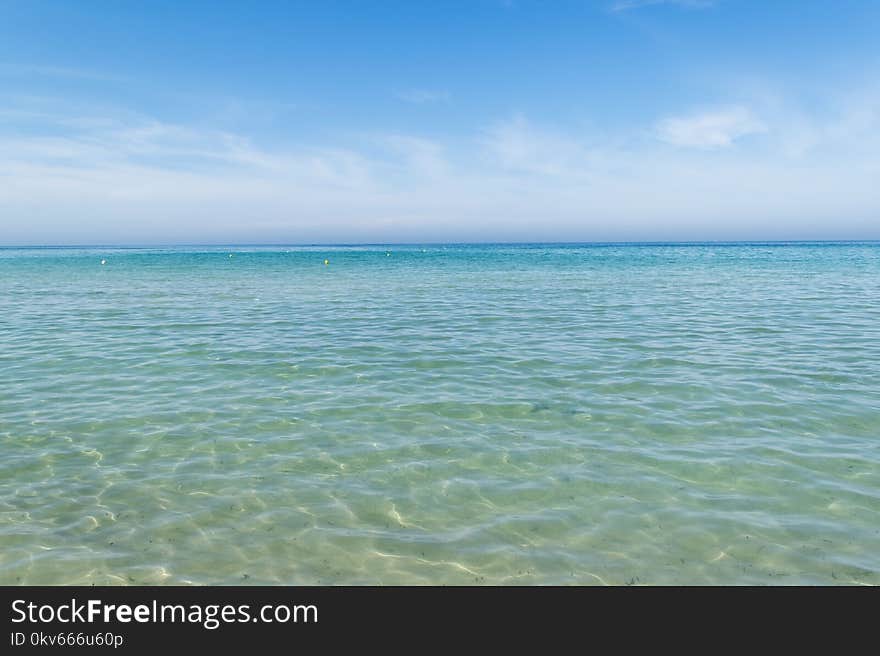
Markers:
{"x": 488, "y": 120}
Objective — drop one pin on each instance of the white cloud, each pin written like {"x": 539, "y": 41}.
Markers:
{"x": 717, "y": 128}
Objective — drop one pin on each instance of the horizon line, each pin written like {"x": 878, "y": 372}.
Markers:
{"x": 681, "y": 242}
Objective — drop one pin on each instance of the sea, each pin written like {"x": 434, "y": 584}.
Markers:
{"x": 489, "y": 414}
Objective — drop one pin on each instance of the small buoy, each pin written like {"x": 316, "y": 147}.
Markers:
{"x": 326, "y": 262}
{"x": 387, "y": 254}
{"x": 103, "y": 261}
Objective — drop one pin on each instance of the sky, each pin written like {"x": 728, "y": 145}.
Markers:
{"x": 485, "y": 120}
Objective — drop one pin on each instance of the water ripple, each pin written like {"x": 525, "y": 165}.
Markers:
{"x": 465, "y": 414}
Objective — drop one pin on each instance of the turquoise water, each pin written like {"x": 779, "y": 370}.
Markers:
{"x": 649, "y": 414}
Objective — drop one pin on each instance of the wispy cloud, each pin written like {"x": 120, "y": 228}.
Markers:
{"x": 627, "y": 5}
{"x": 518, "y": 146}
{"x": 717, "y": 128}
{"x": 423, "y": 96}
{"x": 21, "y": 70}
{"x": 420, "y": 156}
{"x": 117, "y": 177}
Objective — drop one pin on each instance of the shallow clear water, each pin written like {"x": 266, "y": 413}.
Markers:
{"x": 676, "y": 414}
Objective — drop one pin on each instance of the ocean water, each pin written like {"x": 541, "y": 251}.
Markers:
{"x": 536, "y": 414}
